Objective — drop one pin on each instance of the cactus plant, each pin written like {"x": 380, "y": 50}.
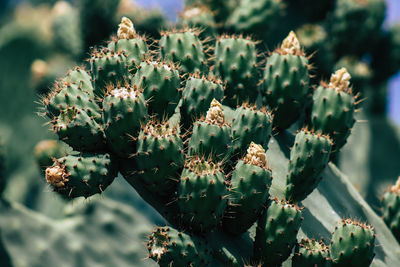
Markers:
{"x": 391, "y": 209}
{"x": 353, "y": 244}
{"x": 200, "y": 189}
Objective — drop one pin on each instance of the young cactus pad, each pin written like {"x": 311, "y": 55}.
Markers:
{"x": 333, "y": 108}
{"x": 249, "y": 189}
{"x": 286, "y": 82}
{"x": 276, "y": 232}
{"x": 132, "y": 45}
{"x": 353, "y": 244}
{"x": 81, "y": 176}
{"x": 310, "y": 252}
{"x": 236, "y": 64}
{"x": 202, "y": 194}
{"x": 211, "y": 135}
{"x": 159, "y": 157}
{"x": 391, "y": 208}
{"x": 308, "y": 158}
{"x": 124, "y": 112}
{"x": 168, "y": 247}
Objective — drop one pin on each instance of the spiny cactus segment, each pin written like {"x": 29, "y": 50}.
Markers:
{"x": 333, "y": 108}
{"x": 391, "y": 208}
{"x": 353, "y": 244}
{"x": 286, "y": 82}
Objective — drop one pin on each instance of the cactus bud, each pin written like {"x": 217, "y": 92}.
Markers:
{"x": 126, "y": 29}
{"x": 215, "y": 115}
{"x": 57, "y": 176}
{"x": 291, "y": 45}
{"x": 256, "y": 156}
{"x": 340, "y": 80}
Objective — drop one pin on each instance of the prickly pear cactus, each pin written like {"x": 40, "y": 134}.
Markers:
{"x": 286, "y": 82}
{"x": 353, "y": 244}
{"x": 2, "y": 168}
{"x": 334, "y": 107}
{"x": 391, "y": 208}
{"x": 308, "y": 158}
{"x": 207, "y": 167}
{"x": 168, "y": 247}
{"x": 309, "y": 252}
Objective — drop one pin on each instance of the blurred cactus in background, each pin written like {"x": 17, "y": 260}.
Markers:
{"x": 227, "y": 123}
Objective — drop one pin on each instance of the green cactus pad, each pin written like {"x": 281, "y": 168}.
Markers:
{"x": 236, "y": 64}
{"x": 197, "y": 96}
{"x": 81, "y": 78}
{"x": 161, "y": 86}
{"x": 250, "y": 125}
{"x": 311, "y": 253}
{"x": 276, "y": 232}
{"x": 2, "y": 168}
{"x": 67, "y": 35}
{"x": 184, "y": 47}
{"x": 249, "y": 191}
{"x": 308, "y": 158}
{"x": 358, "y": 21}
{"x": 82, "y": 175}
{"x": 202, "y": 194}
{"x": 199, "y": 16}
{"x": 315, "y": 40}
{"x": 76, "y": 128}
{"x": 108, "y": 68}
{"x": 159, "y": 157}
{"x": 124, "y": 113}
{"x": 211, "y": 135}
{"x": 65, "y": 95}
{"x": 168, "y": 247}
{"x": 352, "y": 244}
{"x": 333, "y": 108}
{"x": 286, "y": 82}
{"x": 132, "y": 45}
{"x": 391, "y": 209}
{"x": 257, "y": 17}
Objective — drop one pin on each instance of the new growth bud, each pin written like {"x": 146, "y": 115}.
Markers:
{"x": 126, "y": 29}
{"x": 56, "y": 176}
{"x": 340, "y": 80}
{"x": 291, "y": 45}
{"x": 256, "y": 156}
{"x": 215, "y": 114}
{"x": 395, "y": 188}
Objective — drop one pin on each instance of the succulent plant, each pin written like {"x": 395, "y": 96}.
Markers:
{"x": 199, "y": 159}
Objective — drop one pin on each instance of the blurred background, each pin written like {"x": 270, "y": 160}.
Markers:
{"x": 40, "y": 40}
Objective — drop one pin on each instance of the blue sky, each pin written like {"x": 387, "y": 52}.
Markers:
{"x": 393, "y": 16}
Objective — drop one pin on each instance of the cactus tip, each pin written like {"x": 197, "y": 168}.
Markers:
{"x": 291, "y": 45}
{"x": 340, "y": 80}
{"x": 56, "y": 176}
{"x": 126, "y": 29}
{"x": 256, "y": 156}
{"x": 215, "y": 114}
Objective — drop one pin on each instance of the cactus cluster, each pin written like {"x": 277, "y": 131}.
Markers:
{"x": 189, "y": 131}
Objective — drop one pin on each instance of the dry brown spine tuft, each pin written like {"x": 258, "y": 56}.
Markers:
{"x": 57, "y": 176}
{"x": 291, "y": 46}
{"x": 215, "y": 114}
{"x": 256, "y": 156}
